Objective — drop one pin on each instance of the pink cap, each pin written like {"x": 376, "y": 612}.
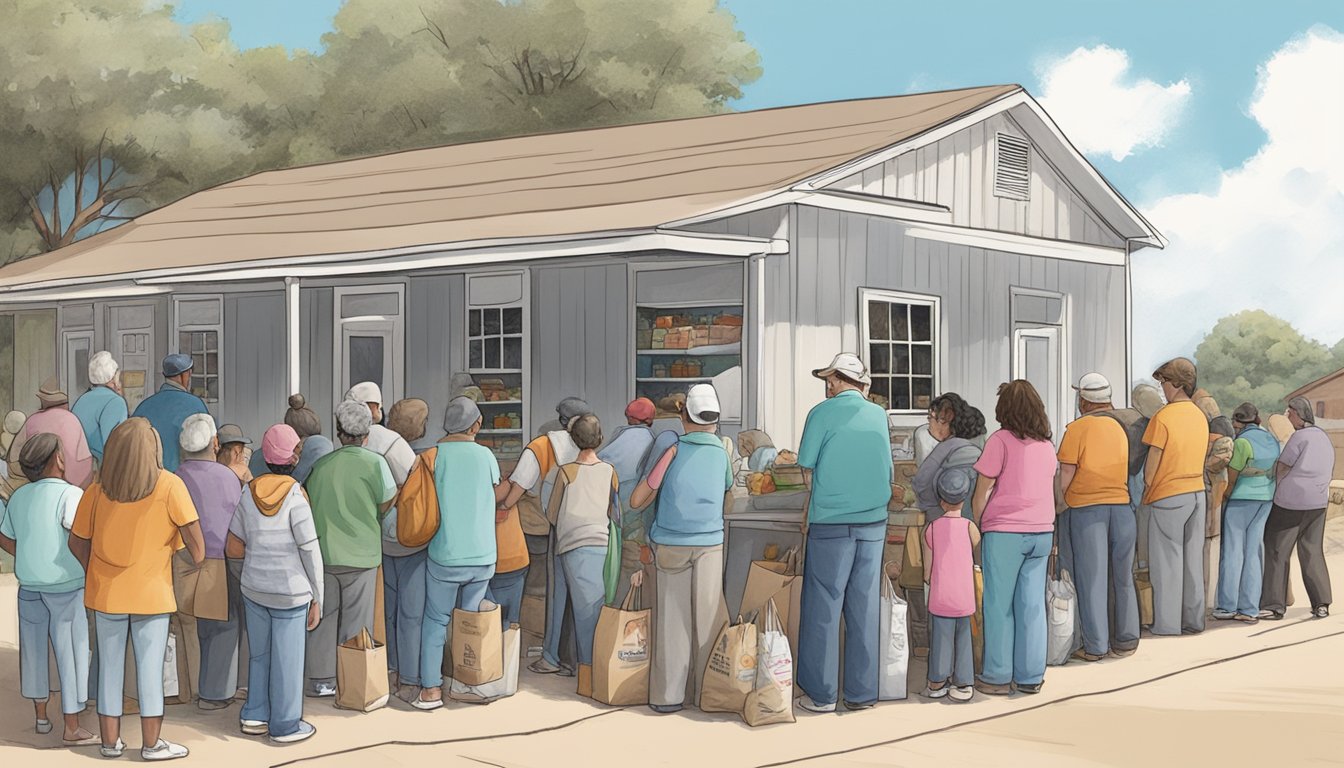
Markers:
{"x": 277, "y": 447}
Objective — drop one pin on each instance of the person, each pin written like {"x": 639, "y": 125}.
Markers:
{"x": 349, "y": 489}
{"x": 1094, "y": 483}
{"x": 232, "y": 452}
{"x": 1178, "y": 440}
{"x": 1251, "y": 478}
{"x": 1147, "y": 401}
{"x": 845, "y": 453}
{"x": 215, "y": 491}
{"x": 1015, "y": 511}
{"x": 691, "y": 481}
{"x": 274, "y": 533}
{"x": 9, "y": 462}
{"x": 462, "y": 551}
{"x": 1297, "y": 518}
{"x": 953, "y": 424}
{"x": 584, "y": 501}
{"x": 1221, "y": 441}
{"x": 126, "y": 529}
{"x": 403, "y": 567}
{"x": 168, "y": 408}
{"x": 1281, "y": 427}
{"x": 949, "y": 577}
{"x": 102, "y": 407}
{"x": 304, "y": 421}
{"x": 34, "y": 529}
{"x": 627, "y": 451}
{"x": 55, "y": 417}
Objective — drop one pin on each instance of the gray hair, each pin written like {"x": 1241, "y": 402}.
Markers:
{"x": 197, "y": 432}
{"x": 1302, "y": 407}
{"x": 1147, "y": 400}
{"x": 102, "y": 368}
{"x": 353, "y": 418}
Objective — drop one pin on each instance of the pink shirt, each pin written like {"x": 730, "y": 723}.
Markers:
{"x": 60, "y": 422}
{"x": 1023, "y": 499}
{"x": 952, "y": 567}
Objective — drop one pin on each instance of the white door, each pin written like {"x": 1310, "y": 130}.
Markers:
{"x": 132, "y": 337}
{"x": 368, "y": 354}
{"x": 1038, "y": 358}
{"x": 78, "y": 346}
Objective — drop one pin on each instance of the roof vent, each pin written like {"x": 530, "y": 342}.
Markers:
{"x": 1012, "y": 167}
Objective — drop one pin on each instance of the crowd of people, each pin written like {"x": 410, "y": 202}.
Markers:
{"x": 116, "y": 520}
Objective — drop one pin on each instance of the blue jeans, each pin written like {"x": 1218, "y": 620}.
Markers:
{"x": 60, "y": 617}
{"x": 447, "y": 587}
{"x": 950, "y": 656}
{"x": 276, "y": 641}
{"x": 579, "y": 581}
{"x": 1241, "y": 561}
{"x": 404, "y": 612}
{"x": 148, "y": 636}
{"x": 841, "y": 574}
{"x": 1102, "y": 538}
{"x": 506, "y": 590}
{"x": 1015, "y": 630}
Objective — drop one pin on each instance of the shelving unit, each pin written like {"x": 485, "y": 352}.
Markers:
{"x": 496, "y": 356}
{"x": 677, "y": 346}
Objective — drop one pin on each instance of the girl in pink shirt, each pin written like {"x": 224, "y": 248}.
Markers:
{"x": 949, "y": 570}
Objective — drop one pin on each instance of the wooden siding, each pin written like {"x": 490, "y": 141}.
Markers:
{"x": 255, "y": 385}
{"x": 315, "y": 363}
{"x": 435, "y": 335}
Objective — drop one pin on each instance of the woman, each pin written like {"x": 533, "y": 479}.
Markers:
{"x": 304, "y": 421}
{"x": 954, "y": 423}
{"x": 126, "y": 530}
{"x": 1251, "y": 478}
{"x": 404, "y": 568}
{"x": 1014, "y": 509}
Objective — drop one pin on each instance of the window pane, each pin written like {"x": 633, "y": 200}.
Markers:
{"x": 879, "y": 321}
{"x": 477, "y": 354}
{"x": 492, "y": 352}
{"x": 900, "y": 393}
{"x": 900, "y": 358}
{"x": 184, "y": 343}
{"x": 879, "y": 356}
{"x": 921, "y": 359}
{"x": 881, "y": 388}
{"x": 513, "y": 352}
{"x": 491, "y": 327}
{"x": 211, "y": 363}
{"x": 921, "y": 326}
{"x": 82, "y": 371}
{"x": 198, "y": 363}
{"x": 900, "y": 322}
{"x": 198, "y": 386}
{"x": 474, "y": 322}
{"x": 513, "y": 320}
{"x": 366, "y": 359}
{"x": 211, "y": 341}
{"x": 197, "y": 342}
{"x": 922, "y": 390}
{"x": 201, "y": 312}
{"x": 212, "y": 388}
{"x": 365, "y": 304}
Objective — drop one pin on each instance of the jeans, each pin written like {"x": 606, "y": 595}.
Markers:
{"x": 349, "y": 595}
{"x": 60, "y": 617}
{"x": 950, "y": 655}
{"x": 275, "y": 666}
{"x": 148, "y": 636}
{"x": 220, "y": 642}
{"x": 1241, "y": 563}
{"x": 1015, "y": 630}
{"x": 404, "y": 612}
{"x": 579, "y": 581}
{"x": 1304, "y": 529}
{"x": 1102, "y": 539}
{"x": 1176, "y": 563}
{"x": 841, "y": 575}
{"x": 506, "y": 591}
{"x": 447, "y": 587}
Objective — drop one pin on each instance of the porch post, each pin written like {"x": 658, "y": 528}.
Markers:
{"x": 292, "y": 332}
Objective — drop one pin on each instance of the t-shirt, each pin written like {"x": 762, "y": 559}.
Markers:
{"x": 38, "y": 519}
{"x": 847, "y": 445}
{"x": 166, "y": 410}
{"x": 1181, "y": 432}
{"x": 346, "y": 489}
{"x": 1255, "y": 468}
{"x": 74, "y": 446}
{"x": 282, "y": 564}
{"x": 952, "y": 567}
{"x": 465, "y": 476}
{"x": 215, "y": 491}
{"x": 100, "y": 410}
{"x": 581, "y": 509}
{"x": 1099, "y": 448}
{"x": 1023, "y": 499}
{"x": 130, "y": 566}
{"x": 1311, "y": 461}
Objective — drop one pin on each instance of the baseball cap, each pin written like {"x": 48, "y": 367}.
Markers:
{"x": 640, "y": 409}
{"x": 365, "y": 392}
{"x": 702, "y": 404}
{"x": 176, "y": 365}
{"x": 1094, "y": 388}
{"x": 847, "y": 365}
{"x": 232, "y": 433}
{"x": 1246, "y": 413}
{"x": 278, "y": 444}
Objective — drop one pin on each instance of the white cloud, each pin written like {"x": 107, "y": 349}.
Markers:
{"x": 1272, "y": 234}
{"x": 1103, "y": 109}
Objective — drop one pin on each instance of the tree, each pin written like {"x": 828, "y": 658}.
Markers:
{"x": 1255, "y": 357}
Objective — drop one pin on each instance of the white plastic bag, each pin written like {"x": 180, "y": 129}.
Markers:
{"x": 504, "y": 687}
{"x": 170, "y": 687}
{"x": 771, "y": 698}
{"x": 1061, "y": 610}
{"x": 893, "y": 645}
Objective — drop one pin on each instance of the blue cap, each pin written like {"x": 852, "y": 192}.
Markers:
{"x": 954, "y": 485}
{"x": 176, "y": 365}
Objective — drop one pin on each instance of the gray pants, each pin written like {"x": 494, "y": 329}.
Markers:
{"x": 1285, "y": 529}
{"x": 347, "y": 608}
{"x": 688, "y": 615}
{"x": 222, "y": 644}
{"x": 1102, "y": 559}
{"x": 1176, "y": 563}
{"x": 60, "y": 618}
{"x": 950, "y": 656}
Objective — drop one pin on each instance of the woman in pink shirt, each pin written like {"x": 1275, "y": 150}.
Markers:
{"x": 1014, "y": 507}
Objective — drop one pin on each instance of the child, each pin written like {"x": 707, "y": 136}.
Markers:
{"x": 949, "y": 573}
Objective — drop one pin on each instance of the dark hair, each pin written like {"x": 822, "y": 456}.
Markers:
{"x": 1221, "y": 425}
{"x": 36, "y": 455}
{"x": 1021, "y": 412}
{"x": 302, "y": 418}
{"x": 587, "y": 433}
{"x": 967, "y": 422}
{"x": 281, "y": 469}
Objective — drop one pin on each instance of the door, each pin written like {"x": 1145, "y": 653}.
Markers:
{"x": 132, "y": 344}
{"x": 1038, "y": 358}
{"x": 78, "y": 347}
{"x": 367, "y": 353}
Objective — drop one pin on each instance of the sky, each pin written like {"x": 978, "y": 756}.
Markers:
{"x": 1220, "y": 121}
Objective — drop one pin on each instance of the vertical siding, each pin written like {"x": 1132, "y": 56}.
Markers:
{"x": 255, "y": 383}
{"x": 315, "y": 312}
{"x": 435, "y": 330}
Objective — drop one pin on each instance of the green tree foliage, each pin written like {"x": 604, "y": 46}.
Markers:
{"x": 1255, "y": 357}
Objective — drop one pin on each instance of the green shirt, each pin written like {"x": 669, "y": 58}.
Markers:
{"x": 346, "y": 489}
{"x": 465, "y": 476}
{"x": 847, "y": 445}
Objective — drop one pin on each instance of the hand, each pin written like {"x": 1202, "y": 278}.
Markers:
{"x": 501, "y": 515}
{"x": 645, "y": 555}
{"x": 314, "y": 615}
{"x": 637, "y": 579}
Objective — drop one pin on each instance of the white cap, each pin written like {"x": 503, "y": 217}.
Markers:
{"x": 1094, "y": 388}
{"x": 847, "y": 365}
{"x": 702, "y": 399}
{"x": 365, "y": 392}
{"x": 102, "y": 368}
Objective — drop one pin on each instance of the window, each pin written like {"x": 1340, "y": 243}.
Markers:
{"x": 1012, "y": 167}
{"x": 900, "y": 340}
{"x": 497, "y": 359}
{"x": 495, "y": 338}
{"x": 200, "y": 328}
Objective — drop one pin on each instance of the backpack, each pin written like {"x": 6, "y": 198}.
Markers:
{"x": 418, "y": 503}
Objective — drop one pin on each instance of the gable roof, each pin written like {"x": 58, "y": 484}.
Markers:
{"x": 1326, "y": 379}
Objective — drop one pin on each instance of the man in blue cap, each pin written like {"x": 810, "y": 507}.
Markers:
{"x": 171, "y": 405}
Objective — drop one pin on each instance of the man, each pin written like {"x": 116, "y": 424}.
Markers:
{"x": 231, "y": 452}
{"x": 846, "y": 452}
{"x": 1147, "y": 401}
{"x": 55, "y": 417}
{"x": 102, "y": 408}
{"x": 1177, "y": 439}
{"x": 170, "y": 406}
{"x": 1094, "y": 482}
{"x": 1301, "y": 496}
{"x": 215, "y": 490}
{"x": 350, "y": 489}
{"x": 626, "y": 451}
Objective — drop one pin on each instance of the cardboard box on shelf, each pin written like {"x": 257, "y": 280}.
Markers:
{"x": 729, "y": 320}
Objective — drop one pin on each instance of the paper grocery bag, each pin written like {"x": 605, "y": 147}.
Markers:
{"x": 478, "y": 645}
{"x": 502, "y": 688}
{"x": 621, "y": 656}
{"x": 202, "y": 590}
{"x": 361, "y": 673}
{"x": 978, "y": 622}
{"x": 730, "y": 673}
{"x": 780, "y": 581}
{"x": 1144, "y": 587}
{"x": 771, "y": 697}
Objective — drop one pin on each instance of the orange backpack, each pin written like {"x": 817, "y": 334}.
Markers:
{"x": 418, "y": 503}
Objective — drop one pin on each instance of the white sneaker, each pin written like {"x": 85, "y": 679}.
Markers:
{"x": 113, "y": 751}
{"x": 935, "y": 693}
{"x": 324, "y": 690}
{"x": 962, "y": 693}
{"x": 427, "y": 705}
{"x": 164, "y": 750}
{"x": 808, "y": 704}
{"x": 304, "y": 733}
{"x": 254, "y": 727}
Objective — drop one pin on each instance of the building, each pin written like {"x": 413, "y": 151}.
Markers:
{"x": 954, "y": 239}
{"x": 1326, "y": 396}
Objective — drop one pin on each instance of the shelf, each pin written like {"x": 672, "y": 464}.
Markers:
{"x": 501, "y": 432}
{"x": 497, "y": 371}
{"x": 689, "y": 305}
{"x": 669, "y": 380}
{"x": 499, "y": 402}
{"x": 710, "y": 350}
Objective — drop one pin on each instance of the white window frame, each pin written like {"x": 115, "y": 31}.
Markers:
{"x": 394, "y": 324}
{"x": 935, "y": 329}
{"x": 180, "y": 328}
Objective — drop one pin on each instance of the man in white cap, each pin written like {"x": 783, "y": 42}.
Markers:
{"x": 1093, "y": 481}
{"x": 101, "y": 408}
{"x": 846, "y": 450}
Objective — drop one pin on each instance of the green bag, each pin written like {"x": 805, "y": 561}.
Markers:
{"x": 611, "y": 570}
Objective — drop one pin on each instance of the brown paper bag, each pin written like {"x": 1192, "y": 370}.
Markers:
{"x": 202, "y": 590}
{"x": 912, "y": 566}
{"x": 478, "y": 645}
{"x": 730, "y": 673}
{"x": 780, "y": 581}
{"x": 978, "y": 622}
{"x": 361, "y": 673}
{"x": 1144, "y": 587}
{"x": 621, "y": 656}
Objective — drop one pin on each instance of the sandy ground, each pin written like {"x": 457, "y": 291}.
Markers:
{"x": 1235, "y": 695}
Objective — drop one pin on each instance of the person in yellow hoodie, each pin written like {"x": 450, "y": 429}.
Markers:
{"x": 273, "y": 532}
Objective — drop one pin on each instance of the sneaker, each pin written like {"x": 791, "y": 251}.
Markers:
{"x": 808, "y": 704}
{"x": 408, "y": 693}
{"x": 566, "y": 671}
{"x": 935, "y": 693}
{"x": 962, "y": 693}
{"x": 543, "y": 667}
{"x": 1247, "y": 618}
{"x": 44, "y": 726}
{"x": 304, "y": 733}
{"x": 993, "y": 689}
{"x": 164, "y": 750}
{"x": 254, "y": 727}
{"x": 210, "y": 705}
{"x": 859, "y": 706}
{"x": 1030, "y": 689}
{"x": 666, "y": 709}
{"x": 1123, "y": 653}
{"x": 427, "y": 705}
{"x": 1222, "y": 615}
{"x": 115, "y": 750}
{"x": 1082, "y": 655}
{"x": 322, "y": 690}
{"x": 1321, "y": 612}
{"x": 1268, "y": 615}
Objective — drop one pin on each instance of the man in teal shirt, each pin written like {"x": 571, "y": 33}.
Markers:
{"x": 1250, "y": 475}
{"x": 846, "y": 447}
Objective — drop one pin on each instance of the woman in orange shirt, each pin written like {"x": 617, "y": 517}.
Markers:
{"x": 126, "y": 530}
